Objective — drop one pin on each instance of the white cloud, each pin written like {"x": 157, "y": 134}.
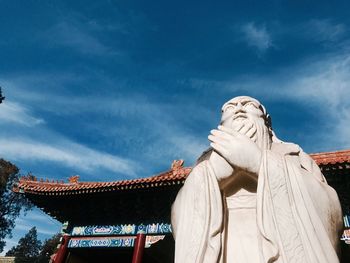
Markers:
{"x": 324, "y": 30}
{"x": 45, "y": 225}
{"x": 9, "y": 244}
{"x": 323, "y": 80}
{"x": 82, "y": 35}
{"x": 327, "y": 79}
{"x": 327, "y": 84}
{"x": 73, "y": 36}
{"x": 173, "y": 141}
{"x": 65, "y": 153}
{"x": 323, "y": 83}
{"x": 162, "y": 135}
{"x": 40, "y": 230}
{"x": 19, "y": 114}
{"x": 257, "y": 36}
{"x": 38, "y": 216}
{"x": 190, "y": 146}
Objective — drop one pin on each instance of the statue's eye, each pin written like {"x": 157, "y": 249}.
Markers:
{"x": 229, "y": 108}
{"x": 250, "y": 104}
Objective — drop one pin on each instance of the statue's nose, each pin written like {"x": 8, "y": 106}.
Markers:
{"x": 238, "y": 107}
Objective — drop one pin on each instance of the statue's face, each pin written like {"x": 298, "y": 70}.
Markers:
{"x": 243, "y": 111}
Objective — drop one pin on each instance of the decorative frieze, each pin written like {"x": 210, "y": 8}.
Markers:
{"x": 114, "y": 241}
{"x": 128, "y": 229}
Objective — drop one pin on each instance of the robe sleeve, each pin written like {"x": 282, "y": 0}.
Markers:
{"x": 324, "y": 199}
{"x": 294, "y": 202}
{"x": 197, "y": 217}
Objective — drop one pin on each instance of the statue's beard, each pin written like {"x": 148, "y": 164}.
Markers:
{"x": 258, "y": 133}
{"x": 261, "y": 135}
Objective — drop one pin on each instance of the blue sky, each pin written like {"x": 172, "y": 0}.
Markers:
{"x": 113, "y": 90}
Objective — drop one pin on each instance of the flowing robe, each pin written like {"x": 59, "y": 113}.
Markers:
{"x": 297, "y": 214}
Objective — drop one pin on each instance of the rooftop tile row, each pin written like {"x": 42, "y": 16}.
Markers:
{"x": 176, "y": 175}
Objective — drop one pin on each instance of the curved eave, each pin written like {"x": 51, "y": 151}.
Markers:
{"x": 332, "y": 158}
{"x": 337, "y": 160}
{"x": 98, "y": 190}
{"x": 167, "y": 179}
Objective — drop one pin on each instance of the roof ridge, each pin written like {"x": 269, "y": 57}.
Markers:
{"x": 331, "y": 152}
{"x": 176, "y": 175}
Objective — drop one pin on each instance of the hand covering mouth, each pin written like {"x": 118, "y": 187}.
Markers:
{"x": 239, "y": 116}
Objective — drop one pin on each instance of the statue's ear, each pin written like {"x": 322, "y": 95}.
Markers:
{"x": 268, "y": 121}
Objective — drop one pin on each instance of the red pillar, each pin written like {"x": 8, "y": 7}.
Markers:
{"x": 139, "y": 247}
{"x": 63, "y": 250}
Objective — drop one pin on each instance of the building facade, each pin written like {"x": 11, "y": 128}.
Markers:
{"x": 129, "y": 220}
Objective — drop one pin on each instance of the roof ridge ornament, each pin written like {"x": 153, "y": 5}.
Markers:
{"x": 73, "y": 179}
{"x": 28, "y": 177}
{"x": 177, "y": 164}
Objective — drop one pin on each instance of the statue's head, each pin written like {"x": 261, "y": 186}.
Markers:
{"x": 244, "y": 110}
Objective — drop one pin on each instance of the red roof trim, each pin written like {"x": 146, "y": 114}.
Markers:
{"x": 327, "y": 158}
{"x": 176, "y": 175}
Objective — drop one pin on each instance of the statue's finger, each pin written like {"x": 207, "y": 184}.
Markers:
{"x": 222, "y": 138}
{"x": 223, "y": 135}
{"x": 246, "y": 128}
{"x": 254, "y": 137}
{"x": 237, "y": 126}
{"x": 228, "y": 131}
{"x": 234, "y": 134}
{"x": 219, "y": 133}
{"x": 251, "y": 132}
{"x": 219, "y": 148}
{"x": 218, "y": 139}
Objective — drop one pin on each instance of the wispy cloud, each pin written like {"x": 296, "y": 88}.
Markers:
{"x": 321, "y": 83}
{"x": 327, "y": 84}
{"x": 27, "y": 227}
{"x": 163, "y": 135}
{"x": 67, "y": 154}
{"x": 83, "y": 35}
{"x": 45, "y": 225}
{"x": 72, "y": 36}
{"x": 263, "y": 37}
{"x": 38, "y": 216}
{"x": 323, "y": 30}
{"x": 43, "y": 144}
{"x": 257, "y": 36}
{"x": 318, "y": 80}
{"x": 9, "y": 244}
{"x": 17, "y": 113}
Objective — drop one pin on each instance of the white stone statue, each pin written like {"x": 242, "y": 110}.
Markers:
{"x": 253, "y": 198}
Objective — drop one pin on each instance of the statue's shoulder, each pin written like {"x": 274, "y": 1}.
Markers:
{"x": 204, "y": 156}
{"x": 292, "y": 150}
{"x": 286, "y": 148}
{"x": 301, "y": 158}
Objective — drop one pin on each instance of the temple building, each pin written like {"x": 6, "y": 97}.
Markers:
{"x": 129, "y": 220}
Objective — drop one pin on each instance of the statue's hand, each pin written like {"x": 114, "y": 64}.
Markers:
{"x": 238, "y": 149}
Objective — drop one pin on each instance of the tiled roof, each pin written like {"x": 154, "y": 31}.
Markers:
{"x": 176, "y": 175}
{"x": 327, "y": 158}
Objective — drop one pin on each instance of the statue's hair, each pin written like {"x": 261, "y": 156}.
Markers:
{"x": 266, "y": 115}
{"x": 267, "y": 119}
